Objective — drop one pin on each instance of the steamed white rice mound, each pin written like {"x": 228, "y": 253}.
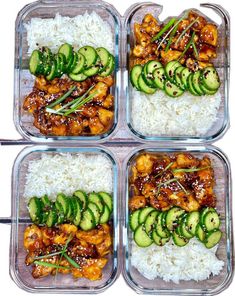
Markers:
{"x": 187, "y": 115}
{"x": 67, "y": 173}
{"x": 171, "y": 263}
{"x": 87, "y": 29}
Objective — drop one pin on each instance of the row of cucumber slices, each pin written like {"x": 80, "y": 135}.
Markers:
{"x": 80, "y": 65}
{"x": 174, "y": 79}
{"x": 150, "y": 225}
{"x": 86, "y": 211}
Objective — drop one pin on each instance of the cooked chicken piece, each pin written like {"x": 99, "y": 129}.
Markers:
{"x": 80, "y": 248}
{"x": 108, "y": 80}
{"x": 200, "y": 23}
{"x": 101, "y": 91}
{"x": 170, "y": 55}
{"x": 68, "y": 229}
{"x": 182, "y": 43}
{"x": 33, "y": 238}
{"x": 96, "y": 127}
{"x": 64, "y": 233}
{"x": 63, "y": 263}
{"x": 39, "y": 271}
{"x": 206, "y": 53}
{"x": 137, "y": 202}
{"x": 186, "y": 202}
{"x": 183, "y": 25}
{"x": 95, "y": 236}
{"x": 192, "y": 64}
{"x": 144, "y": 163}
{"x": 75, "y": 126}
{"x": 203, "y": 65}
{"x": 59, "y": 130}
{"x": 104, "y": 248}
{"x": 138, "y": 51}
{"x": 108, "y": 102}
{"x": 186, "y": 160}
{"x": 105, "y": 116}
{"x": 162, "y": 201}
{"x": 150, "y": 19}
{"x": 88, "y": 111}
{"x": 149, "y": 189}
{"x": 48, "y": 235}
{"x": 209, "y": 34}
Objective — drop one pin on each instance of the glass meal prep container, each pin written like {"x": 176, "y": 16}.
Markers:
{"x": 20, "y": 273}
{"x": 214, "y": 284}
{"x": 135, "y": 14}
{"x": 24, "y": 81}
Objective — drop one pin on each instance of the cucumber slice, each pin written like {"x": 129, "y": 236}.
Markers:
{"x": 96, "y": 212}
{"x": 144, "y": 213}
{"x": 179, "y": 240}
{"x": 67, "y": 50}
{"x": 212, "y": 238}
{"x": 190, "y": 85}
{"x": 172, "y": 89}
{"x": 63, "y": 200}
{"x": 60, "y": 213}
{"x": 47, "y": 57}
{"x": 46, "y": 201}
{"x": 104, "y": 57}
{"x": 87, "y": 221}
{"x": 81, "y": 195}
{"x": 144, "y": 87}
{"x": 69, "y": 216}
{"x": 93, "y": 70}
{"x": 172, "y": 217}
{"x": 134, "y": 220}
{"x": 53, "y": 71}
{"x": 159, "y": 78}
{"x": 96, "y": 199}
{"x": 196, "y": 83}
{"x": 204, "y": 212}
{"x": 200, "y": 233}
{"x": 106, "y": 215}
{"x": 148, "y": 70}
{"x": 159, "y": 241}
{"x": 60, "y": 64}
{"x": 160, "y": 229}
{"x": 69, "y": 63}
{"x": 163, "y": 219}
{"x": 90, "y": 55}
{"x": 141, "y": 237}
{"x": 184, "y": 230}
{"x": 110, "y": 68}
{"x": 184, "y": 77}
{"x": 170, "y": 70}
{"x": 107, "y": 199}
{"x": 35, "y": 210}
{"x": 36, "y": 63}
{"x": 134, "y": 75}
{"x": 211, "y": 221}
{"x": 150, "y": 222}
{"x": 177, "y": 76}
{"x": 52, "y": 217}
{"x": 192, "y": 221}
{"x": 207, "y": 91}
{"x": 80, "y": 64}
{"x": 73, "y": 63}
{"x": 78, "y": 77}
{"x": 210, "y": 78}
{"x": 78, "y": 214}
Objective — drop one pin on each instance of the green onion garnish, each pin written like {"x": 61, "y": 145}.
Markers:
{"x": 48, "y": 255}
{"x": 164, "y": 29}
{"x": 165, "y": 169}
{"x": 165, "y": 183}
{"x": 195, "y": 49}
{"x": 71, "y": 261}
{"x": 62, "y": 98}
{"x": 47, "y": 264}
{"x": 185, "y": 30}
{"x": 190, "y": 170}
{"x": 187, "y": 46}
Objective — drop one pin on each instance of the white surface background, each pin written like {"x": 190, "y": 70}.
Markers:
{"x": 8, "y": 14}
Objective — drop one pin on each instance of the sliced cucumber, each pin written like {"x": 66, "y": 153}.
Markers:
{"x": 63, "y": 200}
{"x": 47, "y": 57}
{"x": 46, "y": 201}
{"x": 172, "y": 89}
{"x": 211, "y": 221}
{"x": 78, "y": 77}
{"x": 53, "y": 71}
{"x": 204, "y": 212}
{"x": 93, "y": 70}
{"x": 134, "y": 76}
{"x": 60, "y": 65}
{"x": 179, "y": 240}
{"x": 36, "y": 63}
{"x": 172, "y": 217}
{"x": 60, "y": 213}
{"x": 207, "y": 91}
{"x": 80, "y": 64}
{"x": 184, "y": 77}
{"x": 150, "y": 222}
{"x": 96, "y": 212}
{"x": 87, "y": 221}
{"x": 35, "y": 210}
{"x": 190, "y": 85}
{"x": 160, "y": 229}
{"x": 69, "y": 216}
{"x": 141, "y": 237}
{"x": 110, "y": 68}
{"x": 196, "y": 83}
{"x": 90, "y": 55}
{"x": 178, "y": 79}
{"x": 67, "y": 50}
{"x": 107, "y": 199}
{"x": 184, "y": 230}
{"x": 81, "y": 195}
{"x": 104, "y": 218}
{"x": 104, "y": 57}
{"x": 148, "y": 70}
{"x": 73, "y": 63}
{"x": 192, "y": 221}
{"x": 52, "y": 217}
{"x": 159, "y": 77}
{"x": 170, "y": 70}
{"x": 212, "y": 238}
{"x": 210, "y": 78}
{"x": 200, "y": 233}
{"x": 144, "y": 87}
{"x": 78, "y": 214}
{"x": 134, "y": 219}
{"x": 159, "y": 241}
{"x": 96, "y": 199}
{"x": 144, "y": 213}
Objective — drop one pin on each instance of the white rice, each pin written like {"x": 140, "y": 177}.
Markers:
{"x": 87, "y": 29}
{"x": 67, "y": 173}
{"x": 172, "y": 263}
{"x": 187, "y": 115}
